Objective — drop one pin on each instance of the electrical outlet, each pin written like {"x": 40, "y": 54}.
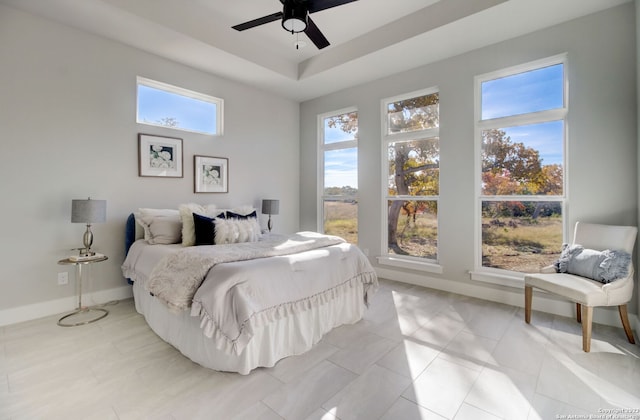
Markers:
{"x": 63, "y": 278}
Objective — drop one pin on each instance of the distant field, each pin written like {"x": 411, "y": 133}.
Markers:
{"x": 341, "y": 219}
{"x": 515, "y": 244}
{"x": 520, "y": 244}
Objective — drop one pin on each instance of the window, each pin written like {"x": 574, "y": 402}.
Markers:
{"x": 339, "y": 181}
{"x": 411, "y": 146}
{"x": 521, "y": 176}
{"x": 169, "y": 106}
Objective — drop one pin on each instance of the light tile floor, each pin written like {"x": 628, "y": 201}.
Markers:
{"x": 417, "y": 354}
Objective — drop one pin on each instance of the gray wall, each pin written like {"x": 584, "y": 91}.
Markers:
{"x": 602, "y": 157}
{"x": 68, "y": 130}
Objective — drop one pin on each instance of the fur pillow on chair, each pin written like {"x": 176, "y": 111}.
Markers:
{"x": 603, "y": 266}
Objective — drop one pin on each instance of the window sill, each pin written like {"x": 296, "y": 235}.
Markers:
{"x": 510, "y": 280}
{"x": 410, "y": 264}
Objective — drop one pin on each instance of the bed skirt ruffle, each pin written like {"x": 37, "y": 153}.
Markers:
{"x": 279, "y": 333}
{"x": 357, "y": 287}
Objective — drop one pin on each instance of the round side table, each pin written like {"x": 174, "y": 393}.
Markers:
{"x": 96, "y": 313}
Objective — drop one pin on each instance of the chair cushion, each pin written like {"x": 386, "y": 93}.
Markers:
{"x": 603, "y": 266}
{"x": 576, "y": 288}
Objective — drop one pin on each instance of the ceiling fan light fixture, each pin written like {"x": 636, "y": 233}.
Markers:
{"x": 294, "y": 18}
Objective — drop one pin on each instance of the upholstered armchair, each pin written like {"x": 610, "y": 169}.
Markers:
{"x": 575, "y": 284}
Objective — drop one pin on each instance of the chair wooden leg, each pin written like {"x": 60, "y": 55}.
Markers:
{"x": 578, "y": 312}
{"x": 528, "y": 296}
{"x": 587, "y": 317}
{"x": 622, "y": 309}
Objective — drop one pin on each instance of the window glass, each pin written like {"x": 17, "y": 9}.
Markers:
{"x": 413, "y": 114}
{"x": 339, "y": 196}
{"x": 340, "y": 128}
{"x": 416, "y": 228}
{"x": 412, "y": 175}
{"x": 341, "y": 218}
{"x": 521, "y": 236}
{"x": 523, "y": 160}
{"x": 173, "y": 107}
{"x": 414, "y": 167}
{"x": 522, "y": 171}
{"x": 522, "y": 93}
{"x": 341, "y": 169}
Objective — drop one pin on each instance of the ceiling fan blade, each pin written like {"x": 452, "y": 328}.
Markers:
{"x": 318, "y": 5}
{"x": 257, "y": 22}
{"x": 315, "y": 35}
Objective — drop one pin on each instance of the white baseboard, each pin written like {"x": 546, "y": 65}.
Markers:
{"x": 542, "y": 301}
{"x": 58, "y": 306}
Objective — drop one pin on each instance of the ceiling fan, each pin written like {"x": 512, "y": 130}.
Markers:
{"x": 295, "y": 18}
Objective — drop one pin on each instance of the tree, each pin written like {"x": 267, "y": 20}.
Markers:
{"x": 414, "y": 165}
{"x": 169, "y": 122}
{"x": 510, "y": 168}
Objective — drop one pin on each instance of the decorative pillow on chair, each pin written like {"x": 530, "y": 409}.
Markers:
{"x": 603, "y": 266}
{"x": 205, "y": 228}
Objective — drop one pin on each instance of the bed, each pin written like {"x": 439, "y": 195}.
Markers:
{"x": 242, "y": 305}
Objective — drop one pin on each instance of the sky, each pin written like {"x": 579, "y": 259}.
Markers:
{"x": 533, "y": 91}
{"x": 340, "y": 166}
{"x": 191, "y": 114}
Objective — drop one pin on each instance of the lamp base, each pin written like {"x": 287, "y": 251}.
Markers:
{"x": 85, "y": 252}
{"x": 82, "y": 316}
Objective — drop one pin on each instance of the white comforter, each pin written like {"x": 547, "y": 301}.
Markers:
{"x": 234, "y": 294}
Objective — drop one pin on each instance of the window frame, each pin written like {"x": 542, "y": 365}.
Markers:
{"x": 395, "y": 260}
{"x": 176, "y": 90}
{"x": 498, "y": 275}
{"x": 325, "y": 147}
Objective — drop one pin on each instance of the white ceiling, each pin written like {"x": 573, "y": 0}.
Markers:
{"x": 369, "y": 38}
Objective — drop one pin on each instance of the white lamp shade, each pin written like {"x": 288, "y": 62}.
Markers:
{"x": 294, "y": 25}
{"x": 88, "y": 211}
{"x": 270, "y": 206}
{"x": 294, "y": 17}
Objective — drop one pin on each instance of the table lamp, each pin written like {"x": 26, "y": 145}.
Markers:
{"x": 270, "y": 207}
{"x": 88, "y": 211}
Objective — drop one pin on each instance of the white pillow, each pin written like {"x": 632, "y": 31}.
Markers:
{"x": 232, "y": 231}
{"x": 188, "y": 227}
{"x": 163, "y": 229}
{"x": 145, "y": 217}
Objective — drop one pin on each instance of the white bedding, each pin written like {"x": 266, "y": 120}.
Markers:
{"x": 253, "y": 313}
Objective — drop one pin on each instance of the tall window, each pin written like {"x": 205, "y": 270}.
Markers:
{"x": 412, "y": 172}
{"x": 520, "y": 130}
{"x": 170, "y": 106}
{"x": 339, "y": 181}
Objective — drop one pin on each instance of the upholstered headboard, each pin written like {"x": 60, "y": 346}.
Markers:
{"x": 129, "y": 233}
{"x": 132, "y": 233}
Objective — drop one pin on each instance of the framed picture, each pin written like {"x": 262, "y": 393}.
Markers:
{"x": 211, "y": 174}
{"x": 159, "y": 156}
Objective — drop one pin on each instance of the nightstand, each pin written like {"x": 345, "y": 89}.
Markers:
{"x": 86, "y": 314}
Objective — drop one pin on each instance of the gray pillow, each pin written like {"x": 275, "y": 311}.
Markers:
{"x": 603, "y": 266}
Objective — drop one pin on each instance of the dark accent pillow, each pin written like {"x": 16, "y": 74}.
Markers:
{"x": 232, "y": 215}
{"x": 205, "y": 228}
{"x": 603, "y": 266}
